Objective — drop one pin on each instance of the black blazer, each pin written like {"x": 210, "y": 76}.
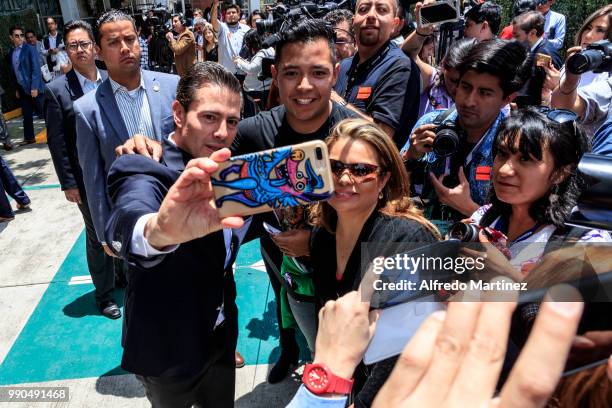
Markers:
{"x": 61, "y": 129}
{"x": 58, "y": 40}
{"x": 172, "y": 301}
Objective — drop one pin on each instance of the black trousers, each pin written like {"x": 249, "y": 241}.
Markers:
{"x": 100, "y": 265}
{"x": 213, "y": 386}
{"x": 27, "y": 110}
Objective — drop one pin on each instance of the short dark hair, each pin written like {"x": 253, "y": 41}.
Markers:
{"x": 530, "y": 132}
{"x": 13, "y": 28}
{"x": 50, "y": 18}
{"x": 507, "y": 60}
{"x": 337, "y": 16}
{"x": 30, "y": 31}
{"x": 202, "y": 74}
{"x": 532, "y": 20}
{"x": 487, "y": 11}
{"x": 112, "y": 16}
{"x": 78, "y": 24}
{"x": 523, "y": 6}
{"x": 306, "y": 31}
{"x": 233, "y": 6}
{"x": 457, "y": 52}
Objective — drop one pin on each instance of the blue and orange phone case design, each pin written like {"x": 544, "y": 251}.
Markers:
{"x": 276, "y": 178}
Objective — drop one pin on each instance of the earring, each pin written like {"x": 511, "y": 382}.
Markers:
{"x": 554, "y": 196}
{"x": 380, "y": 195}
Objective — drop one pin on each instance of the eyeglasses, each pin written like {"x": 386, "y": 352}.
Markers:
{"x": 357, "y": 171}
{"x": 339, "y": 41}
{"x": 85, "y": 45}
{"x": 18, "y": 35}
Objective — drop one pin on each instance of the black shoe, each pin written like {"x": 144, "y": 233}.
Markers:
{"x": 283, "y": 367}
{"x": 110, "y": 309}
{"x": 7, "y": 146}
{"x": 26, "y": 142}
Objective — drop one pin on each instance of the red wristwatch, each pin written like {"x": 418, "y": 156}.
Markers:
{"x": 319, "y": 379}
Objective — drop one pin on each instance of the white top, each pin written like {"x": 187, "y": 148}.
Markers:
{"x": 230, "y": 43}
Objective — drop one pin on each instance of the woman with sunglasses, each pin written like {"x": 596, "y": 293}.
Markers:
{"x": 535, "y": 186}
{"x": 370, "y": 205}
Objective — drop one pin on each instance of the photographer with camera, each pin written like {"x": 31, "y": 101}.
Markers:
{"x": 230, "y": 34}
{"x": 449, "y": 152}
{"x": 588, "y": 93}
{"x": 482, "y": 21}
{"x": 379, "y": 82}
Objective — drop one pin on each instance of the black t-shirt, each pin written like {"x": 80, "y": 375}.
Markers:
{"x": 270, "y": 129}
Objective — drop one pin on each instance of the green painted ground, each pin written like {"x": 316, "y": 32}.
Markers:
{"x": 66, "y": 338}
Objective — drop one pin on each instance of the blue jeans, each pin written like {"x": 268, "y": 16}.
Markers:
{"x": 9, "y": 185}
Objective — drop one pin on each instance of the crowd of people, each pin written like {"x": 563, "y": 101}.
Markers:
{"x": 490, "y": 133}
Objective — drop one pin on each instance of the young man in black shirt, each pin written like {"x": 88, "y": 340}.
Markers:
{"x": 304, "y": 73}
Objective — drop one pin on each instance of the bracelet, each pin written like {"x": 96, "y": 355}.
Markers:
{"x": 421, "y": 35}
{"x": 570, "y": 92}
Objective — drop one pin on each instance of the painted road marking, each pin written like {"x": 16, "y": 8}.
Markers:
{"x": 80, "y": 280}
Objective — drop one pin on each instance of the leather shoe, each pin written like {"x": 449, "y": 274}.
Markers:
{"x": 283, "y": 366}
{"x": 26, "y": 142}
{"x": 7, "y": 146}
{"x": 110, "y": 309}
{"x": 239, "y": 360}
{"x": 6, "y": 219}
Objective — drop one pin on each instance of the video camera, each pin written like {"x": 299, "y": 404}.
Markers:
{"x": 291, "y": 14}
{"x": 597, "y": 57}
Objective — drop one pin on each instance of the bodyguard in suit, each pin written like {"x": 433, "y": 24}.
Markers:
{"x": 60, "y": 95}
{"x": 128, "y": 102}
{"x": 180, "y": 329}
{"x": 25, "y": 74}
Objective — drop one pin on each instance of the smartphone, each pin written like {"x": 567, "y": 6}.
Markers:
{"x": 542, "y": 60}
{"x": 395, "y": 327}
{"x": 276, "y": 178}
{"x": 270, "y": 229}
{"x": 439, "y": 12}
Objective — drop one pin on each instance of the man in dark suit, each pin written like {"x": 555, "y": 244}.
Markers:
{"x": 25, "y": 74}
{"x": 61, "y": 138}
{"x": 180, "y": 326}
{"x": 128, "y": 102}
{"x": 52, "y": 43}
{"x": 528, "y": 28}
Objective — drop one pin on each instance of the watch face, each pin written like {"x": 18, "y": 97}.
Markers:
{"x": 317, "y": 379}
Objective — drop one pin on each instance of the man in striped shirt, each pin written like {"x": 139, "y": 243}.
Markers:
{"x": 131, "y": 101}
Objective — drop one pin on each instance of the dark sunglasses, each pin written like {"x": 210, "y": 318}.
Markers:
{"x": 561, "y": 116}
{"x": 356, "y": 170}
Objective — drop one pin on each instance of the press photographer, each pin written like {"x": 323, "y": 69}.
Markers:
{"x": 449, "y": 153}
{"x": 587, "y": 91}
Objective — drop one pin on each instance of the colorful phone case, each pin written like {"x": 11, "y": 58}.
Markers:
{"x": 276, "y": 178}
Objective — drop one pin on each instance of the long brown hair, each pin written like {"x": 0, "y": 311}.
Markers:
{"x": 395, "y": 199}
{"x": 604, "y": 11}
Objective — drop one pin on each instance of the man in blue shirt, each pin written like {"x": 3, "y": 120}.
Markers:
{"x": 380, "y": 82}
{"x": 25, "y": 73}
{"x": 453, "y": 187}
{"x": 554, "y": 24}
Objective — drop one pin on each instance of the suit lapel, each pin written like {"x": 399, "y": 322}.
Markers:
{"x": 153, "y": 95}
{"x": 73, "y": 85}
{"x": 108, "y": 105}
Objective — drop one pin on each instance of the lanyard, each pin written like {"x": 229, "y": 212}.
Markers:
{"x": 503, "y": 227}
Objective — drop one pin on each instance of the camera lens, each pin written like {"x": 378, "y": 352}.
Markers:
{"x": 584, "y": 61}
{"x": 319, "y": 153}
{"x": 446, "y": 142}
{"x": 464, "y": 232}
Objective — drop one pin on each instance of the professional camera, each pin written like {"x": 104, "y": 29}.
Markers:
{"x": 448, "y": 135}
{"x": 597, "y": 57}
{"x": 291, "y": 14}
{"x": 463, "y": 232}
